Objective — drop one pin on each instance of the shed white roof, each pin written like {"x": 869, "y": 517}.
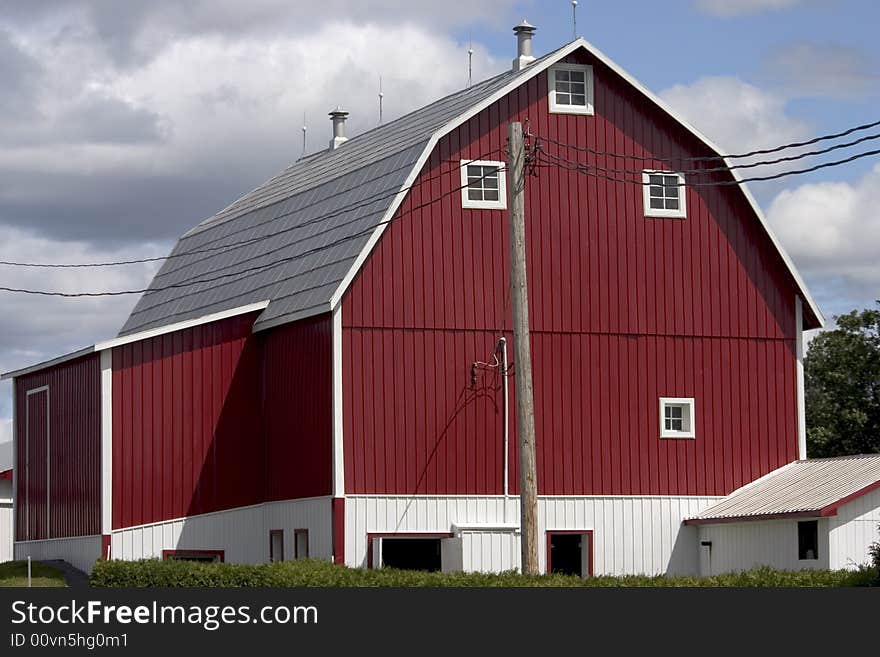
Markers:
{"x": 809, "y": 488}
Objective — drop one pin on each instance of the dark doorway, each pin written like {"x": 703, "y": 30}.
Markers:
{"x": 568, "y": 553}
{"x": 411, "y": 553}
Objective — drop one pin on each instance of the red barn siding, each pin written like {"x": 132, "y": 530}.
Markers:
{"x": 624, "y": 309}
{"x": 64, "y": 499}
{"x": 299, "y": 419}
{"x": 187, "y": 426}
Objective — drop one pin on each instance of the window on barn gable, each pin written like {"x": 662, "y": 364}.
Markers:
{"x": 483, "y": 185}
{"x": 677, "y": 417}
{"x": 570, "y": 88}
{"x": 664, "y": 194}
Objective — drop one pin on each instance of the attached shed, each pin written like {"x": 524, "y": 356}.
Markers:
{"x": 5, "y": 501}
{"x": 809, "y": 514}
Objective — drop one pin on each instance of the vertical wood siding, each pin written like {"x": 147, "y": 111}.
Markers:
{"x": 298, "y": 403}
{"x": 187, "y": 427}
{"x": 624, "y": 309}
{"x": 79, "y": 551}
{"x": 214, "y": 417}
{"x": 631, "y": 535}
{"x": 68, "y": 504}
{"x": 740, "y": 546}
{"x": 242, "y": 534}
{"x": 855, "y": 527}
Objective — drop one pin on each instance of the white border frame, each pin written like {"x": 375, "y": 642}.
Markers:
{"x": 681, "y": 213}
{"x": 681, "y": 401}
{"x": 501, "y": 203}
{"x": 555, "y": 108}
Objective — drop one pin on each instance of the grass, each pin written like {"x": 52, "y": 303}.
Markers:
{"x": 14, "y": 574}
{"x": 312, "y": 573}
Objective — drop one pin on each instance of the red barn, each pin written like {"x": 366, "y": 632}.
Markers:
{"x": 297, "y": 381}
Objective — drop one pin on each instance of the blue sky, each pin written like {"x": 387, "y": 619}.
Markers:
{"x": 125, "y": 123}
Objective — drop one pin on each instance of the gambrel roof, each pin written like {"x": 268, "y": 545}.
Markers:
{"x": 307, "y": 231}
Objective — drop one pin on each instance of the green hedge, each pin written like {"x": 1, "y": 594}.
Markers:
{"x": 151, "y": 572}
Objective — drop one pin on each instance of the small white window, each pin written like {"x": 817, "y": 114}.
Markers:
{"x": 570, "y": 88}
{"x": 483, "y": 185}
{"x": 664, "y": 194}
{"x": 676, "y": 417}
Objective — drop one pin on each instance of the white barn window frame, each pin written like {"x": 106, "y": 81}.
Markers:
{"x": 565, "y": 90}
{"x": 659, "y": 192}
{"x": 677, "y": 417}
{"x": 480, "y": 191}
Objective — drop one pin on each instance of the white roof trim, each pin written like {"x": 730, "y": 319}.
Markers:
{"x": 48, "y": 363}
{"x": 179, "y": 326}
{"x": 135, "y": 337}
{"x": 528, "y": 74}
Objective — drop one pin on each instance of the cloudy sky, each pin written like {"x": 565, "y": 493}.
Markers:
{"x": 122, "y": 124}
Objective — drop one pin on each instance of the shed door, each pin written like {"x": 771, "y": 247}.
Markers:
{"x": 36, "y": 475}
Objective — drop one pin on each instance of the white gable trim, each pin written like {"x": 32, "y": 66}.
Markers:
{"x": 528, "y": 74}
{"x": 135, "y": 337}
{"x": 179, "y": 326}
{"x": 48, "y": 363}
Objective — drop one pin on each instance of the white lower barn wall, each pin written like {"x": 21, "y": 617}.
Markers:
{"x": 5, "y": 532}
{"x": 852, "y": 530}
{"x": 81, "y": 551}
{"x": 490, "y": 551}
{"x": 5, "y": 520}
{"x": 739, "y": 546}
{"x": 242, "y": 534}
{"x": 631, "y": 535}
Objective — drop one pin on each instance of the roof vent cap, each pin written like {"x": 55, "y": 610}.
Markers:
{"x": 338, "y": 117}
{"x": 524, "y": 57}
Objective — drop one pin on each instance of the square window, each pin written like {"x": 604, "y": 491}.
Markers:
{"x": 570, "y": 88}
{"x": 664, "y": 194}
{"x": 677, "y": 417}
{"x": 483, "y": 185}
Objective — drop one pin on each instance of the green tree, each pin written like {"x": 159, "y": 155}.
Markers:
{"x": 842, "y": 386}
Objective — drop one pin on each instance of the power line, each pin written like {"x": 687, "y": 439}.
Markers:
{"x": 389, "y": 192}
{"x": 257, "y": 268}
{"x": 715, "y": 158}
{"x": 392, "y": 191}
{"x": 750, "y": 165}
{"x": 557, "y": 162}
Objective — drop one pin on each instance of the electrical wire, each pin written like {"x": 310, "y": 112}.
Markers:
{"x": 251, "y": 271}
{"x": 355, "y": 205}
{"x": 713, "y": 158}
{"x": 750, "y": 165}
{"x": 553, "y": 160}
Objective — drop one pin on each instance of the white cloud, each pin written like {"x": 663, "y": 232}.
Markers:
{"x": 832, "y": 229}
{"x": 734, "y": 114}
{"x": 824, "y": 70}
{"x": 230, "y": 109}
{"x": 728, "y": 8}
{"x": 217, "y": 103}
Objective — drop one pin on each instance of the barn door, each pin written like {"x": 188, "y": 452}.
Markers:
{"x": 36, "y": 474}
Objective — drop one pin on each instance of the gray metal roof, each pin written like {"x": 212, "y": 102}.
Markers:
{"x": 304, "y": 230}
{"x": 813, "y": 487}
{"x": 306, "y": 226}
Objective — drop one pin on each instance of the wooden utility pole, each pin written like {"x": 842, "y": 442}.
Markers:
{"x": 525, "y": 404}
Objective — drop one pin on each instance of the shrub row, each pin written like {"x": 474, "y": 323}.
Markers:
{"x": 155, "y": 573}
